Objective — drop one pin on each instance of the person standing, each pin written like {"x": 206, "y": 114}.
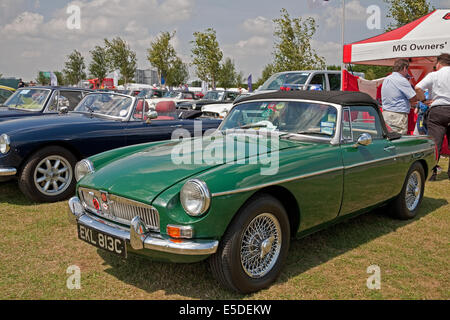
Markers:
{"x": 438, "y": 120}
{"x": 398, "y": 96}
{"x": 21, "y": 84}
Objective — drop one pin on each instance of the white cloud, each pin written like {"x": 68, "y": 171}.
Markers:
{"x": 354, "y": 11}
{"x": 9, "y": 9}
{"x": 136, "y": 21}
{"x": 331, "y": 51}
{"x": 27, "y": 23}
{"x": 258, "y": 25}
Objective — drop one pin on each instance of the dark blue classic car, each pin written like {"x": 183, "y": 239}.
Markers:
{"x": 41, "y": 152}
{"x": 38, "y": 101}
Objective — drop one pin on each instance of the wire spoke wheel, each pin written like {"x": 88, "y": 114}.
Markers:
{"x": 413, "y": 191}
{"x": 53, "y": 175}
{"x": 261, "y": 245}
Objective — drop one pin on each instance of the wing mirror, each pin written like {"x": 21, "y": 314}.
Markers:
{"x": 364, "y": 140}
{"x": 63, "y": 110}
{"x": 63, "y": 105}
{"x": 151, "y": 115}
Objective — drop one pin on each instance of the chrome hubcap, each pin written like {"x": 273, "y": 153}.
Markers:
{"x": 261, "y": 245}
{"x": 413, "y": 191}
{"x": 53, "y": 175}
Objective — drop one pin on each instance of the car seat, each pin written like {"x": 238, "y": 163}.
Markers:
{"x": 166, "y": 110}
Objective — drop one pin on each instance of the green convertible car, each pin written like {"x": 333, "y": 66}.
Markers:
{"x": 281, "y": 165}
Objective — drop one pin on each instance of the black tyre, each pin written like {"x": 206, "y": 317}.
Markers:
{"x": 252, "y": 251}
{"x": 48, "y": 175}
{"x": 407, "y": 203}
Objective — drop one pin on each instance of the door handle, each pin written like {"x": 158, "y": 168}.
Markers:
{"x": 390, "y": 149}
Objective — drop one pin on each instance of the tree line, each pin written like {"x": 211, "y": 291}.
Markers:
{"x": 292, "y": 50}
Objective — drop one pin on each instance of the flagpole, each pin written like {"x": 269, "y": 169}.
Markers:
{"x": 343, "y": 44}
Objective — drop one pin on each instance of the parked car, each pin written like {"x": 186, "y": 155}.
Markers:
{"x": 220, "y": 110}
{"x": 38, "y": 101}
{"x": 336, "y": 159}
{"x": 177, "y": 96}
{"x": 320, "y": 80}
{"x": 41, "y": 152}
{"x": 211, "y": 97}
{"x": 152, "y": 93}
{"x": 5, "y": 93}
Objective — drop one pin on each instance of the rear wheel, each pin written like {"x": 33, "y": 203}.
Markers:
{"x": 407, "y": 203}
{"x": 48, "y": 175}
{"x": 253, "y": 250}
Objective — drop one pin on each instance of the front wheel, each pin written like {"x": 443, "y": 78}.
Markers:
{"x": 48, "y": 175}
{"x": 407, "y": 203}
{"x": 253, "y": 250}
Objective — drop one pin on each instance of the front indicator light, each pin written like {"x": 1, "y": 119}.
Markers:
{"x": 180, "y": 232}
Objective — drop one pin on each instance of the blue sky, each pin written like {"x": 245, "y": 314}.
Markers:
{"x": 34, "y": 35}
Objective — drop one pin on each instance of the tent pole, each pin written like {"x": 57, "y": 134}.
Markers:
{"x": 343, "y": 43}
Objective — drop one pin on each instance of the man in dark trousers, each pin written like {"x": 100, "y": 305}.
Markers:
{"x": 438, "y": 120}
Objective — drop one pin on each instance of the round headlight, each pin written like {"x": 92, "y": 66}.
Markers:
{"x": 195, "y": 197}
{"x": 83, "y": 168}
{"x": 4, "y": 143}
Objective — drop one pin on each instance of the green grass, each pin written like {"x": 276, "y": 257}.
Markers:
{"x": 38, "y": 244}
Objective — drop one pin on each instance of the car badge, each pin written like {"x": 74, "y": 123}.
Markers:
{"x": 104, "y": 197}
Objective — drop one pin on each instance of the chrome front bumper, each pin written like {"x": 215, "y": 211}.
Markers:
{"x": 7, "y": 172}
{"x": 137, "y": 236}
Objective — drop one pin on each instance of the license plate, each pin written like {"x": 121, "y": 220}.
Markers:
{"x": 102, "y": 240}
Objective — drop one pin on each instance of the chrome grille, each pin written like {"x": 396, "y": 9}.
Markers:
{"x": 119, "y": 209}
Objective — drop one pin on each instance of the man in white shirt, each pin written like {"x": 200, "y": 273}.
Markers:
{"x": 438, "y": 122}
{"x": 398, "y": 96}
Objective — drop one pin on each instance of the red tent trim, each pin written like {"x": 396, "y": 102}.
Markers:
{"x": 396, "y": 34}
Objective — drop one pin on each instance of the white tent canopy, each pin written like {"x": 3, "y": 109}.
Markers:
{"x": 421, "y": 41}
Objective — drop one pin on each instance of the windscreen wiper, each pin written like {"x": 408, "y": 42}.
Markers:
{"x": 315, "y": 133}
{"x": 254, "y": 125}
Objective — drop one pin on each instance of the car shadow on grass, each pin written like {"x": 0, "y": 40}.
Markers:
{"x": 11, "y": 194}
{"x": 167, "y": 280}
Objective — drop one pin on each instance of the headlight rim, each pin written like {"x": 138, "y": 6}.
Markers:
{"x": 206, "y": 196}
{"x": 90, "y": 169}
{"x": 7, "y": 140}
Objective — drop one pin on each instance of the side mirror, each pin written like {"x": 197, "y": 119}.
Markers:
{"x": 63, "y": 110}
{"x": 152, "y": 114}
{"x": 364, "y": 140}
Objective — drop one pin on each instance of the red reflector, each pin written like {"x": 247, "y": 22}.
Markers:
{"x": 96, "y": 204}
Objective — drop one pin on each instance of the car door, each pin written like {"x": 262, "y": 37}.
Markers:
{"x": 367, "y": 168}
{"x": 318, "y": 80}
{"x": 334, "y": 80}
{"x": 140, "y": 129}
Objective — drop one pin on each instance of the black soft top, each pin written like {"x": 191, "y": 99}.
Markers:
{"x": 337, "y": 97}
